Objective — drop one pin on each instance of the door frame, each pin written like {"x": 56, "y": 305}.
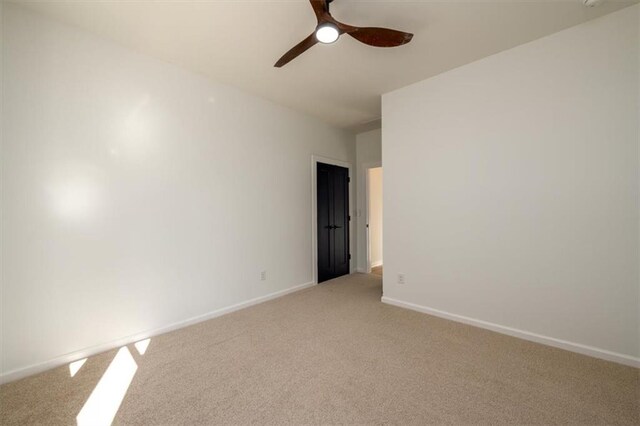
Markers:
{"x": 367, "y": 237}
{"x": 315, "y": 159}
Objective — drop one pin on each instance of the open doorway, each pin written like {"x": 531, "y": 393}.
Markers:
{"x": 374, "y": 220}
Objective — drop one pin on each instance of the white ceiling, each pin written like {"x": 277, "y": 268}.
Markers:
{"x": 238, "y": 41}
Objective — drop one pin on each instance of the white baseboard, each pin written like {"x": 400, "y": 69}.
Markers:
{"x": 20, "y": 373}
{"x": 375, "y": 264}
{"x": 526, "y": 335}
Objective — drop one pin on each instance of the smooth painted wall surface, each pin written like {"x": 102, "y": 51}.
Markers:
{"x": 368, "y": 154}
{"x": 511, "y": 187}
{"x": 137, "y": 195}
{"x": 375, "y": 215}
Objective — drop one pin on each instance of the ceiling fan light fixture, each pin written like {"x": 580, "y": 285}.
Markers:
{"x": 328, "y": 30}
{"x": 327, "y": 33}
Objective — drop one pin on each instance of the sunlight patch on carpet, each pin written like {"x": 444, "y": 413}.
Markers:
{"x": 76, "y": 365}
{"x": 142, "y": 345}
{"x": 105, "y": 400}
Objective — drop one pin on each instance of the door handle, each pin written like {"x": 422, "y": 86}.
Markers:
{"x": 336, "y": 227}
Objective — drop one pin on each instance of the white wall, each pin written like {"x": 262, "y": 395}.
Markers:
{"x": 368, "y": 154}
{"x": 375, "y": 215}
{"x": 137, "y": 195}
{"x": 511, "y": 190}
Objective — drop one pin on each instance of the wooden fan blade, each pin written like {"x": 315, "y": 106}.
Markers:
{"x": 319, "y": 7}
{"x": 380, "y": 37}
{"x": 297, "y": 50}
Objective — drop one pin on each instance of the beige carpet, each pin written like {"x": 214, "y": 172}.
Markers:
{"x": 335, "y": 354}
{"x": 377, "y": 270}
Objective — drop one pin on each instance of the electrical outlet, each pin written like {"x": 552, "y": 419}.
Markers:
{"x": 263, "y": 276}
{"x": 400, "y": 278}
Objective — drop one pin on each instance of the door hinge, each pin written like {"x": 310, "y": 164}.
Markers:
{"x": 349, "y": 217}
{"x": 348, "y": 180}
{"x": 349, "y": 256}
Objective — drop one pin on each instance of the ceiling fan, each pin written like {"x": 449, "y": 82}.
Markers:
{"x": 329, "y": 29}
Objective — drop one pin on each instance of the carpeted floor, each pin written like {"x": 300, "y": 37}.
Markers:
{"x": 335, "y": 354}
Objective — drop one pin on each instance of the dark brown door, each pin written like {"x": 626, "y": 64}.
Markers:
{"x": 333, "y": 221}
